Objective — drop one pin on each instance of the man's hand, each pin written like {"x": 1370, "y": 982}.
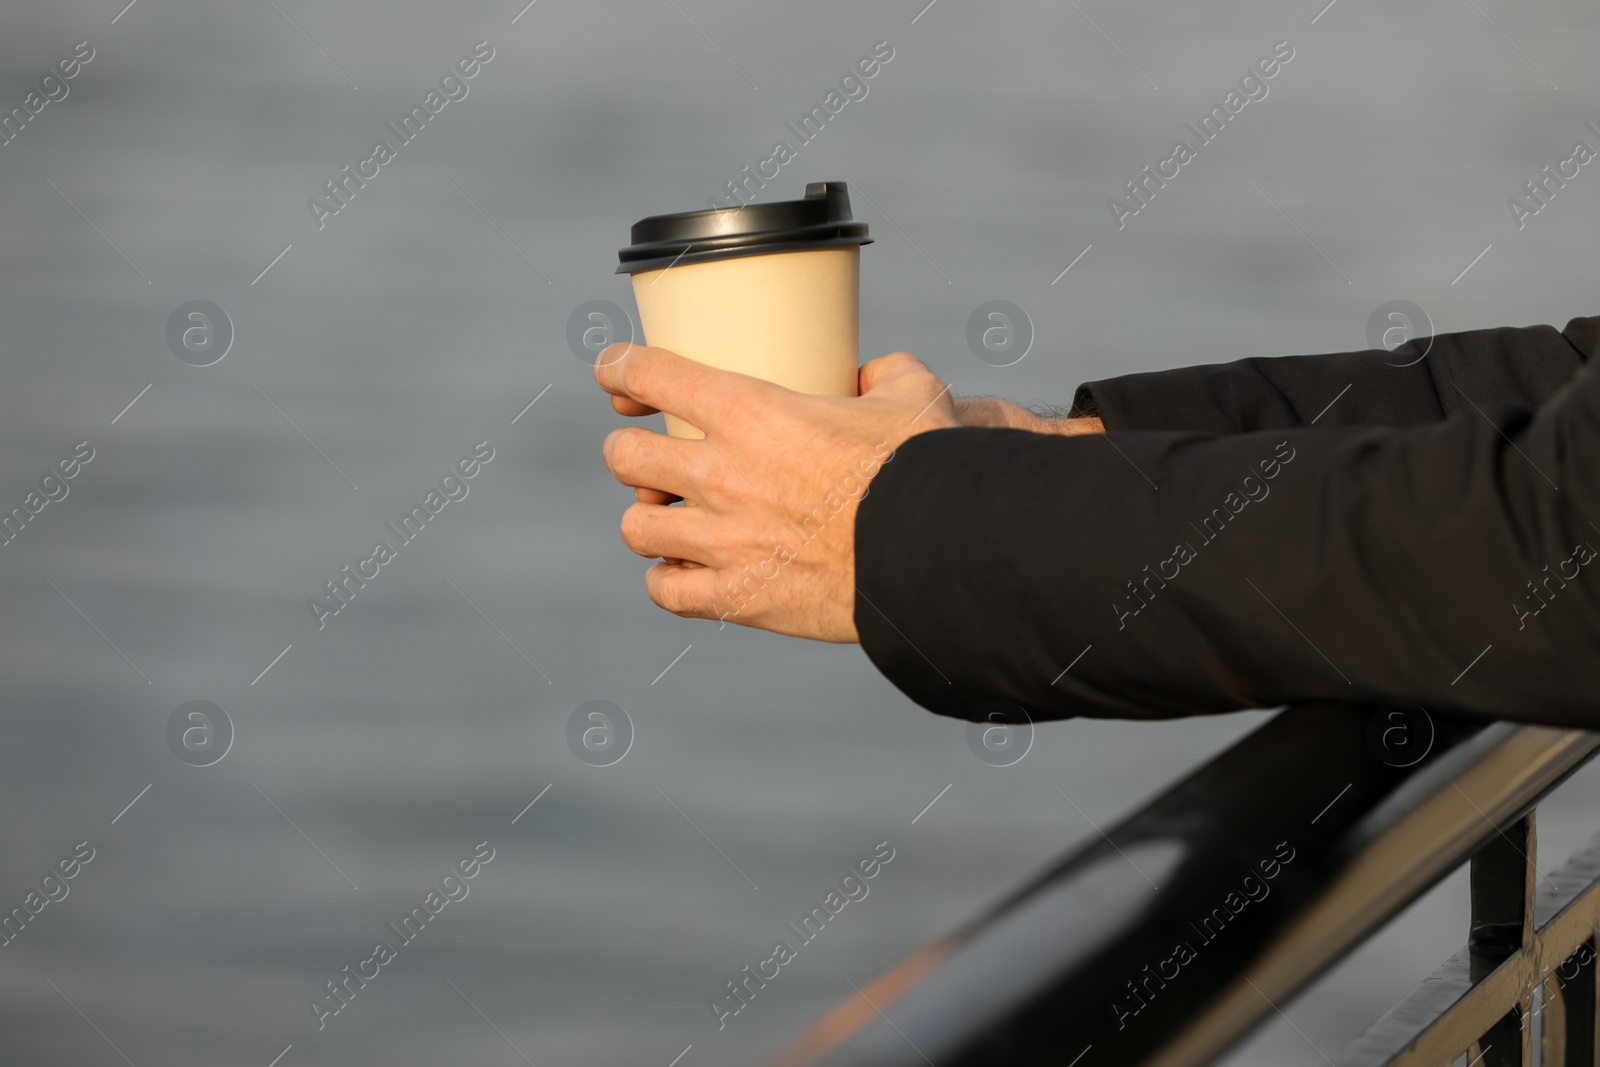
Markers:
{"x": 992, "y": 411}
{"x": 770, "y": 542}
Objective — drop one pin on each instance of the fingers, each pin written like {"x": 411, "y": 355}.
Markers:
{"x": 623, "y": 405}
{"x": 645, "y": 460}
{"x": 654, "y": 378}
{"x": 687, "y": 591}
{"x": 654, "y": 496}
{"x": 679, "y": 534}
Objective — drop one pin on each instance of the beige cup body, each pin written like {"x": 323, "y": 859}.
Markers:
{"x": 787, "y": 317}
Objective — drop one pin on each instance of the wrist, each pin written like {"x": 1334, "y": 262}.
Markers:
{"x": 1072, "y": 427}
{"x": 993, "y": 412}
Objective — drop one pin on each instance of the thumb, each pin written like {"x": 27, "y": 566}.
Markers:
{"x": 884, "y": 369}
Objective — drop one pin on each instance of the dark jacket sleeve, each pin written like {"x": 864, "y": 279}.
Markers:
{"x": 1453, "y": 564}
{"x": 1421, "y": 381}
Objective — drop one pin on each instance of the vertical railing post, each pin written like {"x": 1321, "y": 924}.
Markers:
{"x": 1568, "y": 1035}
{"x": 1502, "y": 875}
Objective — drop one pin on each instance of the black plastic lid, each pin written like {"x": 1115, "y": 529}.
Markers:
{"x": 821, "y": 220}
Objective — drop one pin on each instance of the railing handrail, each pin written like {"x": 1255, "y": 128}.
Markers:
{"x": 1289, "y": 849}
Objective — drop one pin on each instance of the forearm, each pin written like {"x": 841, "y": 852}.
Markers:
{"x": 1362, "y": 564}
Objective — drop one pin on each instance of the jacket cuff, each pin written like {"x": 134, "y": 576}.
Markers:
{"x": 935, "y": 559}
{"x": 889, "y": 561}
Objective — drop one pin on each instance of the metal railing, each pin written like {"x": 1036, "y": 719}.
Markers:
{"x": 1167, "y": 940}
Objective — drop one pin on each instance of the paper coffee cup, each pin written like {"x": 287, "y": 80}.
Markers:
{"x": 768, "y": 290}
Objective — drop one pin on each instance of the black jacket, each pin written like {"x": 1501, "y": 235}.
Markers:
{"x": 1432, "y": 538}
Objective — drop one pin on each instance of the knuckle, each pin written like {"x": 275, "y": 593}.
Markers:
{"x": 665, "y": 586}
{"x": 720, "y": 481}
{"x": 634, "y": 374}
{"x": 746, "y": 416}
{"x": 699, "y": 467}
{"x": 687, "y": 592}
{"x": 652, "y": 588}
{"x": 634, "y": 527}
{"x": 610, "y": 354}
{"x": 623, "y": 450}
{"x": 730, "y": 424}
{"x": 611, "y": 365}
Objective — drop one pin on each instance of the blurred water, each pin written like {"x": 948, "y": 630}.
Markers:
{"x": 423, "y": 318}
